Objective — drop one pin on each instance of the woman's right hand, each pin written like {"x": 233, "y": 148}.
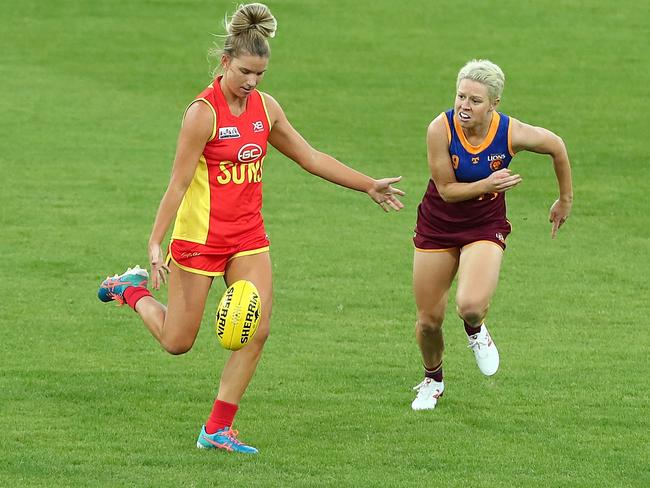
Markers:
{"x": 159, "y": 269}
{"x": 501, "y": 181}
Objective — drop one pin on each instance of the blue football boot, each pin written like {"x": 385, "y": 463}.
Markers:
{"x": 112, "y": 289}
{"x": 225, "y": 439}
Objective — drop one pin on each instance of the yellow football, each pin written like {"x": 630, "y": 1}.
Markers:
{"x": 238, "y": 315}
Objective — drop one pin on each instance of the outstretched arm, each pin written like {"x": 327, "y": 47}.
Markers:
{"x": 537, "y": 139}
{"x": 289, "y": 142}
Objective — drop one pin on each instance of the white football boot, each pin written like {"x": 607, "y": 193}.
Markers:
{"x": 485, "y": 351}
{"x": 428, "y": 393}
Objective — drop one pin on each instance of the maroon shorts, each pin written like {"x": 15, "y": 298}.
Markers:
{"x": 212, "y": 260}
{"x": 494, "y": 232}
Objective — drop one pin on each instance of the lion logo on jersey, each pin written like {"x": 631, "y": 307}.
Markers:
{"x": 496, "y": 161}
{"x": 496, "y": 164}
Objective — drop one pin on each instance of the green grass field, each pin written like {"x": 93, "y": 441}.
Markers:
{"x": 91, "y": 96}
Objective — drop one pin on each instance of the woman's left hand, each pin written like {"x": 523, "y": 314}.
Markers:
{"x": 383, "y": 193}
{"x": 159, "y": 270}
{"x": 558, "y": 214}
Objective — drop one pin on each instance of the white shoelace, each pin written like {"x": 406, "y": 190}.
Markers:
{"x": 478, "y": 341}
{"x": 421, "y": 385}
{"x": 426, "y": 388}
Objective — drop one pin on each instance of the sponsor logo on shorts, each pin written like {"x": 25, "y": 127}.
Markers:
{"x": 190, "y": 254}
{"x": 228, "y": 133}
{"x": 258, "y": 126}
{"x": 249, "y": 153}
{"x": 499, "y": 236}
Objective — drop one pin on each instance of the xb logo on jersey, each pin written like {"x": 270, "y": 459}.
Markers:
{"x": 249, "y": 153}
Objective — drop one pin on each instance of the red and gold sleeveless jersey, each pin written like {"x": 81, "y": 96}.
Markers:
{"x": 223, "y": 204}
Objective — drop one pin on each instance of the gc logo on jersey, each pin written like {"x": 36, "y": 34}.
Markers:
{"x": 228, "y": 133}
{"x": 249, "y": 153}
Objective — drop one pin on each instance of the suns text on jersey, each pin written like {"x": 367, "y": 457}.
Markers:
{"x": 240, "y": 173}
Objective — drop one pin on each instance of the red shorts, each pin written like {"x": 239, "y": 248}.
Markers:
{"x": 495, "y": 232}
{"x": 212, "y": 260}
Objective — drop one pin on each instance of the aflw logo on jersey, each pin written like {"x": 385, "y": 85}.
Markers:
{"x": 228, "y": 133}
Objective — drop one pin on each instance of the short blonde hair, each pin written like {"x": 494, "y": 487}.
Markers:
{"x": 485, "y": 72}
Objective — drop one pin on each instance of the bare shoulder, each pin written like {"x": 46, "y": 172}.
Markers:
{"x": 438, "y": 124}
{"x": 516, "y": 135}
{"x": 528, "y": 137}
{"x": 199, "y": 111}
{"x": 268, "y": 98}
{"x": 517, "y": 126}
{"x": 273, "y": 107}
{"x": 438, "y": 157}
{"x": 199, "y": 119}
{"x": 438, "y": 131}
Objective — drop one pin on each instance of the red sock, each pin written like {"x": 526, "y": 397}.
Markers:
{"x": 222, "y": 415}
{"x": 134, "y": 293}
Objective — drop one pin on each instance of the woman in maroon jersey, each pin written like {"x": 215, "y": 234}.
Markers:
{"x": 462, "y": 226}
{"x": 215, "y": 195}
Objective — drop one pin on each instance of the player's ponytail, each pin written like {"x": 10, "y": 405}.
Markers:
{"x": 247, "y": 32}
{"x": 251, "y": 22}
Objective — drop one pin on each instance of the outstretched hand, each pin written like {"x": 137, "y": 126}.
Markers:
{"x": 383, "y": 193}
{"x": 159, "y": 269}
{"x": 558, "y": 214}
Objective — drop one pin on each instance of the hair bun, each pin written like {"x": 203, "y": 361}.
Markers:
{"x": 252, "y": 17}
{"x": 248, "y": 32}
